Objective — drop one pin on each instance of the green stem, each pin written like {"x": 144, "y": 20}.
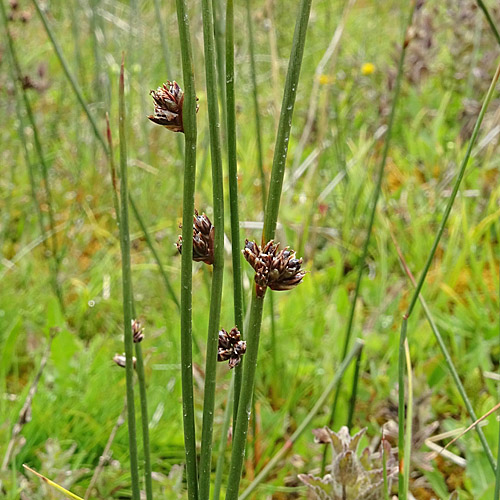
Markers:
{"x": 253, "y": 74}
{"x": 356, "y": 351}
{"x": 409, "y": 421}
{"x": 285, "y": 122}
{"x": 218, "y": 266}
{"x": 420, "y": 283}
{"x": 127, "y": 294}
{"x": 270, "y": 221}
{"x": 494, "y": 29}
{"x": 144, "y": 421}
{"x": 223, "y": 442}
{"x": 138, "y": 350}
{"x": 218, "y": 23}
{"x": 245, "y": 404}
{"x": 497, "y": 475}
{"x": 355, "y": 380}
{"x": 112, "y": 171}
{"x": 233, "y": 190}
{"x": 190, "y": 135}
{"x": 15, "y": 68}
{"x": 384, "y": 469}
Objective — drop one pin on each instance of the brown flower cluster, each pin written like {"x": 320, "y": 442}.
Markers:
{"x": 169, "y": 99}
{"x": 121, "y": 360}
{"x": 231, "y": 347}
{"x": 278, "y": 270}
{"x": 203, "y": 239}
{"x": 137, "y": 331}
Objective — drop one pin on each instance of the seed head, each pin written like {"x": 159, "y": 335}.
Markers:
{"x": 137, "y": 331}
{"x": 203, "y": 239}
{"x": 278, "y": 270}
{"x": 121, "y": 360}
{"x": 168, "y": 100}
{"x": 231, "y": 347}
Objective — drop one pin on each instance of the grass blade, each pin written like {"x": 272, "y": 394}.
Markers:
{"x": 54, "y": 485}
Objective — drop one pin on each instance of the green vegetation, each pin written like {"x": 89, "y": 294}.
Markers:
{"x": 61, "y": 299}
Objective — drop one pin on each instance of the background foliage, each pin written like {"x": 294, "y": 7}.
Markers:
{"x": 450, "y": 63}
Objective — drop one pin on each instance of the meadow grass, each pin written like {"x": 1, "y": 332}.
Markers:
{"x": 328, "y": 222}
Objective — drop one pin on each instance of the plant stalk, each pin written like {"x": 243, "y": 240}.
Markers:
{"x": 233, "y": 191}
{"x": 218, "y": 266}
{"x": 246, "y": 395}
{"x": 127, "y": 294}
{"x": 354, "y": 392}
{"x": 190, "y": 135}
{"x": 497, "y": 475}
{"x": 270, "y": 221}
{"x": 486, "y": 13}
{"x": 223, "y": 442}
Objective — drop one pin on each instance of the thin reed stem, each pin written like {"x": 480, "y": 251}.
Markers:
{"x": 497, "y": 475}
{"x": 409, "y": 419}
{"x": 285, "y": 122}
{"x": 233, "y": 191}
{"x": 112, "y": 171}
{"x": 420, "y": 283}
{"x": 15, "y": 68}
{"x": 127, "y": 293}
{"x": 141, "y": 377}
{"x": 486, "y": 13}
{"x": 138, "y": 350}
{"x": 270, "y": 221}
{"x": 219, "y": 33}
{"x": 219, "y": 469}
{"x": 218, "y": 265}
{"x": 384, "y": 470}
{"x": 240, "y": 430}
{"x": 376, "y": 196}
{"x": 356, "y": 350}
{"x": 260, "y": 164}
{"x": 190, "y": 135}
{"x": 354, "y": 392}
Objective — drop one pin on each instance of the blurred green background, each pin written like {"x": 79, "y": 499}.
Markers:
{"x": 324, "y": 214}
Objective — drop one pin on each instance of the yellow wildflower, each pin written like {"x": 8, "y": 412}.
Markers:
{"x": 325, "y": 79}
{"x": 368, "y": 68}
